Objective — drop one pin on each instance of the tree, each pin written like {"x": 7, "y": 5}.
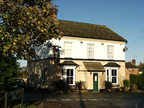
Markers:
{"x": 8, "y": 70}
{"x": 141, "y": 66}
{"x": 24, "y": 24}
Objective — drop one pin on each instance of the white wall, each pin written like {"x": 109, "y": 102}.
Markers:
{"x": 79, "y": 50}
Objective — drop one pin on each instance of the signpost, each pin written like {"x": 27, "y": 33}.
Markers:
{"x": 13, "y": 95}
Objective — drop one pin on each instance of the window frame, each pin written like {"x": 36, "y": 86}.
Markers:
{"x": 110, "y": 51}
{"x": 64, "y": 77}
{"x": 67, "y": 51}
{"x": 90, "y": 50}
{"x": 110, "y": 76}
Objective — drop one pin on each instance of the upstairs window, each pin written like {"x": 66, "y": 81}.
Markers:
{"x": 68, "y": 49}
{"x": 110, "y": 52}
{"x": 90, "y": 51}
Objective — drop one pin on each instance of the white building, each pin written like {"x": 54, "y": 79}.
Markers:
{"x": 86, "y": 52}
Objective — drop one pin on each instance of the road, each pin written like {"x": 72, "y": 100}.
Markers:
{"x": 87, "y": 100}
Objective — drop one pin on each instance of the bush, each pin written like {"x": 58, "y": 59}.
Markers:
{"x": 126, "y": 83}
{"x": 79, "y": 85}
{"x": 108, "y": 85}
{"x": 60, "y": 85}
{"x": 141, "y": 81}
{"x": 134, "y": 79}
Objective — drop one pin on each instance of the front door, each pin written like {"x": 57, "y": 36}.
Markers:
{"x": 95, "y": 81}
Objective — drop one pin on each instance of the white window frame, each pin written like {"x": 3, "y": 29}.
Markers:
{"x": 90, "y": 50}
{"x": 109, "y": 78}
{"x": 64, "y": 77}
{"x": 110, "y": 51}
{"x": 68, "y": 49}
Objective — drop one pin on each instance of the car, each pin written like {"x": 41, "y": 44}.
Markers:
{"x": 20, "y": 83}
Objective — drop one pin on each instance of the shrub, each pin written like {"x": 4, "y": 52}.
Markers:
{"x": 134, "y": 79}
{"x": 79, "y": 85}
{"x": 60, "y": 85}
{"x": 126, "y": 83}
{"x": 108, "y": 85}
{"x": 141, "y": 81}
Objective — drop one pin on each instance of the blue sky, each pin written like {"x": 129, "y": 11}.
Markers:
{"x": 125, "y": 17}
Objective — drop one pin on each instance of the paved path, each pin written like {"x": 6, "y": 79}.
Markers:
{"x": 87, "y": 100}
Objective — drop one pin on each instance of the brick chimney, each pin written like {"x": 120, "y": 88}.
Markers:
{"x": 134, "y": 61}
{"x": 54, "y": 16}
{"x": 55, "y": 11}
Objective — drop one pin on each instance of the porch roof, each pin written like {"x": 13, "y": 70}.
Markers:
{"x": 93, "y": 67}
{"x": 112, "y": 64}
{"x": 68, "y": 63}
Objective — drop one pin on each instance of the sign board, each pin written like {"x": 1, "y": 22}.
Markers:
{"x": 13, "y": 95}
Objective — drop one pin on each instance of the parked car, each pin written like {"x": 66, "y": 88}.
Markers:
{"x": 20, "y": 83}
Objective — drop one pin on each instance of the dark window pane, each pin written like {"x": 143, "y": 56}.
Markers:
{"x": 67, "y": 80}
{"x": 71, "y": 72}
{"x": 107, "y": 78}
{"x": 62, "y": 72}
{"x": 113, "y": 79}
{"x": 107, "y": 72}
{"x": 71, "y": 80}
{"x": 68, "y": 71}
{"x": 114, "y": 73}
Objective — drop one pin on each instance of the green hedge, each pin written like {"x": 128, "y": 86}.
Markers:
{"x": 134, "y": 79}
{"x": 126, "y": 83}
{"x": 138, "y": 80}
{"x": 141, "y": 81}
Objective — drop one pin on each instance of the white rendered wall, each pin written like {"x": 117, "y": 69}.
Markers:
{"x": 79, "y": 49}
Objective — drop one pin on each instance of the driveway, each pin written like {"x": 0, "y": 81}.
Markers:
{"x": 86, "y": 100}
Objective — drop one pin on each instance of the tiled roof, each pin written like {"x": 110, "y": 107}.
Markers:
{"x": 68, "y": 63}
{"x": 130, "y": 65}
{"x": 85, "y": 30}
{"x": 94, "y": 67}
{"x": 112, "y": 64}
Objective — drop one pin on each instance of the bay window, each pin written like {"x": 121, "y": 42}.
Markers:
{"x": 68, "y": 74}
{"x": 112, "y": 75}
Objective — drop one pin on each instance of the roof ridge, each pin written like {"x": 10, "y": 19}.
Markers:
{"x": 82, "y": 22}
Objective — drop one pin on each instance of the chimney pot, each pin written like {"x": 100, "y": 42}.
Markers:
{"x": 134, "y": 61}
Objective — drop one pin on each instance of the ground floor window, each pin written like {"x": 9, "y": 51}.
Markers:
{"x": 68, "y": 75}
{"x": 112, "y": 75}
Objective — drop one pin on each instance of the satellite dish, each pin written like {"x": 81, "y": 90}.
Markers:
{"x": 125, "y": 49}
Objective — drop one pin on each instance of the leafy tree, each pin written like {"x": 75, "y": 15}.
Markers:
{"x": 141, "y": 66}
{"x": 8, "y": 70}
{"x": 25, "y": 23}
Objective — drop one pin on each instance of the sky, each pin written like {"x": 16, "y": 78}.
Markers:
{"x": 125, "y": 17}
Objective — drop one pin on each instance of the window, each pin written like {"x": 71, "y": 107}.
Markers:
{"x": 110, "y": 52}
{"x": 68, "y": 75}
{"x": 112, "y": 75}
{"x": 42, "y": 74}
{"x": 90, "y": 50}
{"x": 68, "y": 49}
